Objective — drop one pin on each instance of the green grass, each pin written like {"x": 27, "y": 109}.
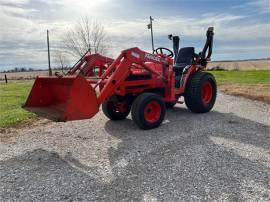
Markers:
{"x": 12, "y": 96}
{"x": 243, "y": 77}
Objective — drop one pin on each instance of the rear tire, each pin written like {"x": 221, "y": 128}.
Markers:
{"x": 200, "y": 92}
{"x": 170, "y": 104}
{"x": 115, "y": 108}
{"x": 148, "y": 110}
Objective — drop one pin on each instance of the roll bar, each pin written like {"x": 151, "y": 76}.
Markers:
{"x": 208, "y": 44}
{"x": 176, "y": 42}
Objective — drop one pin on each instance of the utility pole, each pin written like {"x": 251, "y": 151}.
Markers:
{"x": 150, "y": 26}
{"x": 49, "y": 55}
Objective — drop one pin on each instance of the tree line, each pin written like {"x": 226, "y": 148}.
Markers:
{"x": 30, "y": 69}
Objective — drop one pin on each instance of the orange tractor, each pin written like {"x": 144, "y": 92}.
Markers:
{"x": 143, "y": 83}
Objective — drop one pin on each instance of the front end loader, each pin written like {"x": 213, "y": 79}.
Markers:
{"x": 137, "y": 81}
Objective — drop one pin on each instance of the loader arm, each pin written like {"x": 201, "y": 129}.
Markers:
{"x": 119, "y": 70}
{"x": 87, "y": 63}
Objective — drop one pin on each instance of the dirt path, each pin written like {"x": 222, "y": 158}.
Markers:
{"x": 222, "y": 155}
{"x": 258, "y": 92}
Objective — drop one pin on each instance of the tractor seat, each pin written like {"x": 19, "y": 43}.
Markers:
{"x": 184, "y": 58}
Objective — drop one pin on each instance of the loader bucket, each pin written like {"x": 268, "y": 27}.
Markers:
{"x": 62, "y": 99}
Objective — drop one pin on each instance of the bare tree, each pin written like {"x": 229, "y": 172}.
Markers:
{"x": 61, "y": 59}
{"x": 86, "y": 35}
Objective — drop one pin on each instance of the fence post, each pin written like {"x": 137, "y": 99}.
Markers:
{"x": 6, "y": 78}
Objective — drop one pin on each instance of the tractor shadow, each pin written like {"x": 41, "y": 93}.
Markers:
{"x": 212, "y": 156}
{"x": 181, "y": 123}
{"x": 190, "y": 157}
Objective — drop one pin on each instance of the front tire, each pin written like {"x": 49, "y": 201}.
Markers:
{"x": 148, "y": 110}
{"x": 115, "y": 108}
{"x": 200, "y": 92}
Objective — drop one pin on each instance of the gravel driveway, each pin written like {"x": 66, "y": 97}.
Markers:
{"x": 221, "y": 155}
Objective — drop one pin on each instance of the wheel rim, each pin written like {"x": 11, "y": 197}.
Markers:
{"x": 207, "y": 92}
{"x": 121, "y": 107}
{"x": 152, "y": 112}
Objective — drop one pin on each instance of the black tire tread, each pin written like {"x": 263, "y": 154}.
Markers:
{"x": 193, "y": 92}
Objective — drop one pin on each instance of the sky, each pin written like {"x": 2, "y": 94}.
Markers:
{"x": 242, "y": 27}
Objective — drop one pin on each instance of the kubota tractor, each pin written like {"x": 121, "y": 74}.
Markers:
{"x": 143, "y": 83}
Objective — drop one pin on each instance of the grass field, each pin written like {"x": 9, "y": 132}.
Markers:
{"x": 12, "y": 96}
{"x": 242, "y": 77}
{"x": 250, "y": 84}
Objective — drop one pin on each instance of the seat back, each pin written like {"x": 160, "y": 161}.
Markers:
{"x": 185, "y": 56}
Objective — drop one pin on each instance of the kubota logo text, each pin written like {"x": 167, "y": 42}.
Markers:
{"x": 151, "y": 57}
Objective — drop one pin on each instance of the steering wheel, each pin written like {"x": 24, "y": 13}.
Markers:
{"x": 160, "y": 51}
